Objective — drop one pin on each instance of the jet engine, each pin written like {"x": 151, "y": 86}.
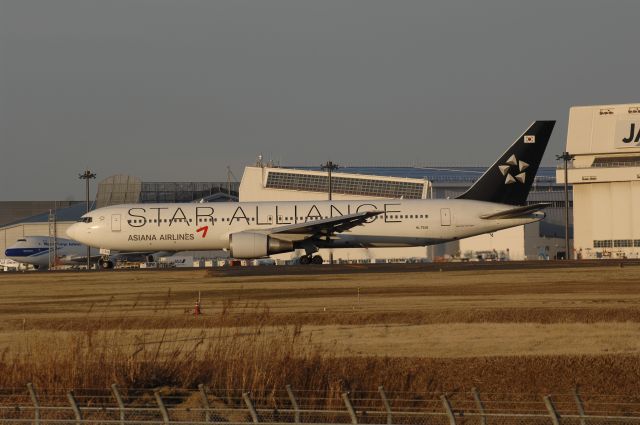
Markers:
{"x": 256, "y": 245}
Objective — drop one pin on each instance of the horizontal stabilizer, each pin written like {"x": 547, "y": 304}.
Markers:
{"x": 516, "y": 212}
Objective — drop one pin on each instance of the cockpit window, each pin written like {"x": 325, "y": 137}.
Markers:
{"x": 86, "y": 219}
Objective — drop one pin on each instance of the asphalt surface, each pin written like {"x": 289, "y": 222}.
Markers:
{"x": 314, "y": 269}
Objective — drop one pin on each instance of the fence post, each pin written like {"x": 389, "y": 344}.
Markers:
{"x": 251, "y": 407}
{"x": 387, "y": 406}
{"x": 580, "y": 404}
{"x": 161, "y": 406}
{"x": 205, "y": 403}
{"x": 116, "y": 395}
{"x": 74, "y": 405}
{"x": 447, "y": 407}
{"x": 36, "y": 404}
{"x": 294, "y": 403}
{"x": 479, "y": 405}
{"x": 555, "y": 418}
{"x": 350, "y": 409}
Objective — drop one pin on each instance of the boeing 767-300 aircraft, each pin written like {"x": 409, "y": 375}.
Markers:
{"x": 258, "y": 229}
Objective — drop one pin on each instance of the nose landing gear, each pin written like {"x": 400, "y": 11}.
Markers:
{"x": 105, "y": 264}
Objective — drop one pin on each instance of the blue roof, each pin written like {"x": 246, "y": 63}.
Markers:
{"x": 72, "y": 213}
{"x": 434, "y": 174}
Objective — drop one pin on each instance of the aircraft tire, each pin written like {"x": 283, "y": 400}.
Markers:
{"x": 317, "y": 260}
{"x": 106, "y": 265}
{"x": 305, "y": 259}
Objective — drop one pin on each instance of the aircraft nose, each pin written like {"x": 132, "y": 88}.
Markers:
{"x": 74, "y": 231}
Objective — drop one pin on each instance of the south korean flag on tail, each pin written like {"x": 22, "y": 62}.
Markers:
{"x": 529, "y": 139}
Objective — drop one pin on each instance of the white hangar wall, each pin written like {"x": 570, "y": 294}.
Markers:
{"x": 605, "y": 175}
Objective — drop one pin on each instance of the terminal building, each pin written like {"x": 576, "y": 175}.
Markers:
{"x": 605, "y": 174}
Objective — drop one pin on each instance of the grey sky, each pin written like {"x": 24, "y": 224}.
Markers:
{"x": 178, "y": 90}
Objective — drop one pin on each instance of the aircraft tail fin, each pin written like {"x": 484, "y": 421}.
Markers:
{"x": 509, "y": 179}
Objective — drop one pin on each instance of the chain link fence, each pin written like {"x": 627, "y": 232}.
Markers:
{"x": 235, "y": 407}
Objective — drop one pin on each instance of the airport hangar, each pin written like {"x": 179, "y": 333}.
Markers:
{"x": 605, "y": 174}
{"x": 267, "y": 182}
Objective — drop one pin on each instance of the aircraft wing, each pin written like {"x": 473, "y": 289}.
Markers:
{"x": 324, "y": 227}
{"x": 516, "y": 212}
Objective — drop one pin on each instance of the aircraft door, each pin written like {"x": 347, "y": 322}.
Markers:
{"x": 115, "y": 222}
{"x": 445, "y": 217}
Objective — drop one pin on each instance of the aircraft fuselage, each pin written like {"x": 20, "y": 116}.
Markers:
{"x": 208, "y": 226}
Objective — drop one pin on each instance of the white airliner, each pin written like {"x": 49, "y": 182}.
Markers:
{"x": 258, "y": 229}
{"x": 35, "y": 250}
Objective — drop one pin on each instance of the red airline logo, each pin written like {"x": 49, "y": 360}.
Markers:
{"x": 204, "y": 230}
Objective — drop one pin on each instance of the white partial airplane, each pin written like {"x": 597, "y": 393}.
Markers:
{"x": 35, "y": 250}
{"x": 9, "y": 264}
{"x": 258, "y": 229}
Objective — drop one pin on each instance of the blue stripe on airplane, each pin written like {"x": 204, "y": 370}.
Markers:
{"x": 25, "y": 252}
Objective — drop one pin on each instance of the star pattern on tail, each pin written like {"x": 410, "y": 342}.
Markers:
{"x": 518, "y": 174}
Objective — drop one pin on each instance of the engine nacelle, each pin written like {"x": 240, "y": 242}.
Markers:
{"x": 256, "y": 245}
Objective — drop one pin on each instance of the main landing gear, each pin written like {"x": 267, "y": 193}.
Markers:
{"x": 311, "y": 259}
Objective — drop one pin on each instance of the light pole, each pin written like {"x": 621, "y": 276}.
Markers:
{"x": 86, "y": 176}
{"x": 329, "y": 167}
{"x": 566, "y": 157}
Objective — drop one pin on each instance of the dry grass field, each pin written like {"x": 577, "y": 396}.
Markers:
{"x": 525, "y": 331}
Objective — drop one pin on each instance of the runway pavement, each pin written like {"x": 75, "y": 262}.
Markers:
{"x": 316, "y": 269}
{"x": 313, "y": 269}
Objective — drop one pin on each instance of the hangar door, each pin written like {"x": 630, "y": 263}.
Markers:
{"x": 445, "y": 217}
{"x": 115, "y": 222}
